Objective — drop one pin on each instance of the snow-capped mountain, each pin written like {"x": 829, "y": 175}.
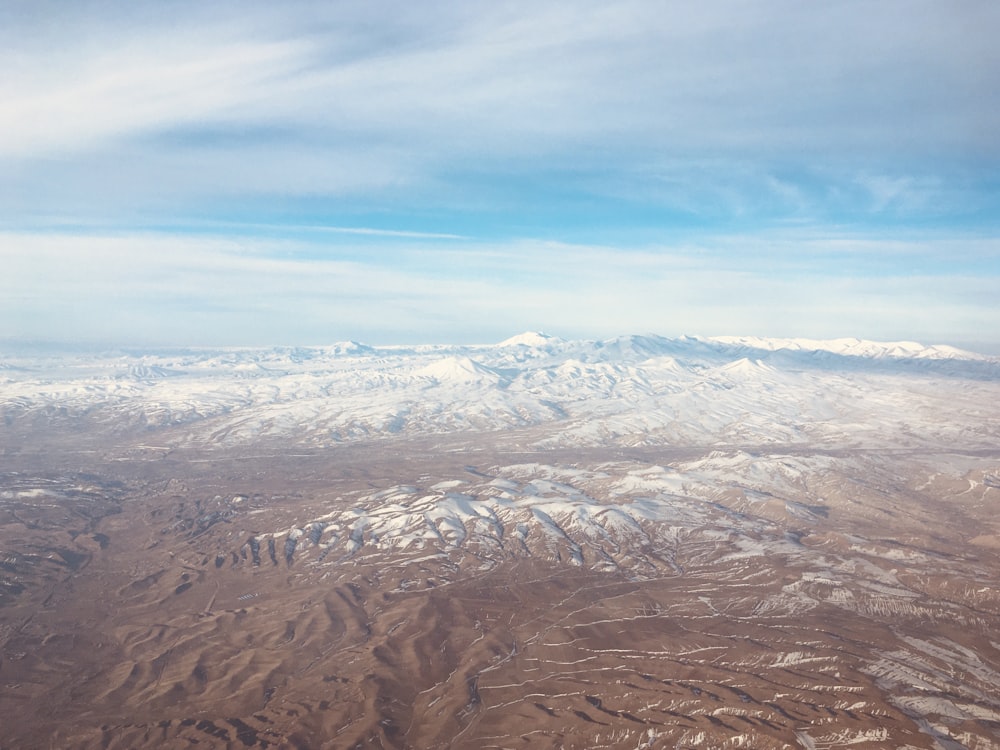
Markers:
{"x": 630, "y": 390}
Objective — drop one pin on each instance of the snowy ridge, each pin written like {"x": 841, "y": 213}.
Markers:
{"x": 628, "y": 390}
{"x": 618, "y": 517}
{"x": 850, "y": 347}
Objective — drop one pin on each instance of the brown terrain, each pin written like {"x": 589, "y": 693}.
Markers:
{"x": 235, "y": 599}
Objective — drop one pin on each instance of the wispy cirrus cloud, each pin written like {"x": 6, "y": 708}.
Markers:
{"x": 640, "y": 79}
{"x": 162, "y": 81}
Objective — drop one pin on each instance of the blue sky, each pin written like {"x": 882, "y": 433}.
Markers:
{"x": 300, "y": 173}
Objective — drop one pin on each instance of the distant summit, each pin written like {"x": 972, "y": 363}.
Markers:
{"x": 460, "y": 370}
{"x": 350, "y": 348}
{"x": 529, "y": 338}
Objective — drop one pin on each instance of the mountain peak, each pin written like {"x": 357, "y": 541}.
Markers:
{"x": 459, "y": 370}
{"x": 528, "y": 338}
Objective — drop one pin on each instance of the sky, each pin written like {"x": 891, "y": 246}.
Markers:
{"x": 256, "y": 173}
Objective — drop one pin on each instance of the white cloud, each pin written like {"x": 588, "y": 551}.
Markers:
{"x": 161, "y": 80}
{"x": 198, "y": 290}
{"x": 523, "y": 77}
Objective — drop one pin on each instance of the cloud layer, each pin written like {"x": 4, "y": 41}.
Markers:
{"x": 198, "y": 291}
{"x": 144, "y": 138}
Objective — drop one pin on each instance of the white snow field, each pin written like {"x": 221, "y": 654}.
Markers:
{"x": 626, "y": 391}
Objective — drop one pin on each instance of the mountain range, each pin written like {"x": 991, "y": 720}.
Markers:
{"x": 631, "y": 390}
{"x": 635, "y": 542}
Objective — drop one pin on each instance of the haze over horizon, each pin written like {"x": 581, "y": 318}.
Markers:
{"x": 248, "y": 174}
